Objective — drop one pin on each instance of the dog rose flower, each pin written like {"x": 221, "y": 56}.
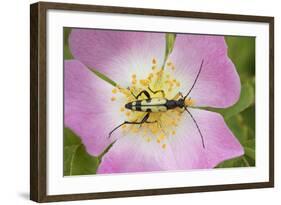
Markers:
{"x": 136, "y": 61}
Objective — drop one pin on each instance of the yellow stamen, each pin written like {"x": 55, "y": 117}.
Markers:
{"x": 113, "y": 99}
{"x": 144, "y": 82}
{"x": 154, "y": 61}
{"x": 144, "y": 132}
{"x": 150, "y": 76}
{"x": 122, "y": 109}
{"x": 132, "y": 88}
{"x": 128, "y": 113}
{"x": 189, "y": 102}
{"x": 164, "y": 146}
{"x": 161, "y": 137}
{"x": 114, "y": 91}
{"x": 154, "y": 129}
{"x": 123, "y": 90}
{"x": 173, "y": 132}
{"x": 135, "y": 130}
{"x": 159, "y": 73}
{"x": 134, "y": 76}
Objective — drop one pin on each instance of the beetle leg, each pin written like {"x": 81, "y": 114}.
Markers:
{"x": 144, "y": 120}
{"x": 179, "y": 94}
{"x": 142, "y": 92}
{"x": 157, "y": 91}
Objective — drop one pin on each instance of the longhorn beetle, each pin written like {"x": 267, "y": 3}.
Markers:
{"x": 154, "y": 105}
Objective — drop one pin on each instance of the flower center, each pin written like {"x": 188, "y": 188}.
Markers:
{"x": 166, "y": 123}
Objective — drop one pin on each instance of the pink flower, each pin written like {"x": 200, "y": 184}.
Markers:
{"x": 94, "y": 107}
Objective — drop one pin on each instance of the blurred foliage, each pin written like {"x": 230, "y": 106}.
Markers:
{"x": 241, "y": 50}
{"x": 66, "y": 51}
{"x": 240, "y": 118}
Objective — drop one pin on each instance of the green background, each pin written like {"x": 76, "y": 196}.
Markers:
{"x": 240, "y": 118}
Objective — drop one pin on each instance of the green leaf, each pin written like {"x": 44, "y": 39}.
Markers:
{"x": 236, "y": 125}
{"x": 250, "y": 155}
{"x": 83, "y": 163}
{"x": 248, "y": 116}
{"x": 241, "y": 50}
{"x": 68, "y": 153}
{"x": 250, "y": 143}
{"x": 235, "y": 162}
{"x": 70, "y": 138}
{"x": 76, "y": 160}
{"x": 103, "y": 77}
{"x": 66, "y": 51}
{"x": 246, "y": 99}
{"x": 242, "y": 131}
{"x": 249, "y": 152}
{"x": 170, "y": 41}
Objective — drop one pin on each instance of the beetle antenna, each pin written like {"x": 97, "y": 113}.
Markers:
{"x": 109, "y": 135}
{"x": 197, "y": 76}
{"x": 202, "y": 139}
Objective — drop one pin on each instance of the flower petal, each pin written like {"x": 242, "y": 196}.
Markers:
{"x": 89, "y": 111}
{"x": 183, "y": 151}
{"x": 218, "y": 84}
{"x": 118, "y": 54}
{"x": 134, "y": 154}
{"x": 220, "y": 143}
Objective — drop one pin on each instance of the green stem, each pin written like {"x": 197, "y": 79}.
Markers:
{"x": 245, "y": 161}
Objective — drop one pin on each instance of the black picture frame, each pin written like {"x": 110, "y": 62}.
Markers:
{"x": 38, "y": 100}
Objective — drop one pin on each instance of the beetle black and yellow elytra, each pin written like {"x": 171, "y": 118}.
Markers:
{"x": 154, "y": 105}
{"x": 160, "y": 104}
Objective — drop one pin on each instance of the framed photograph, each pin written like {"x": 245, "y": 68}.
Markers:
{"x": 134, "y": 102}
